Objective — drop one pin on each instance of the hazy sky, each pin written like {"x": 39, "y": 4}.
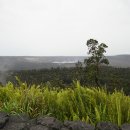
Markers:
{"x": 62, "y": 27}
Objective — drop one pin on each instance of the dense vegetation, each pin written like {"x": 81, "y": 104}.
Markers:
{"x": 77, "y": 103}
{"x": 109, "y": 77}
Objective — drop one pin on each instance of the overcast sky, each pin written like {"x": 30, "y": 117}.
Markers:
{"x": 62, "y": 27}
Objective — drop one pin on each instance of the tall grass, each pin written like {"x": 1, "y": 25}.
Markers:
{"x": 78, "y": 103}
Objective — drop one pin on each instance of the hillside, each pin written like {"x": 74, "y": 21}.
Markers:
{"x": 31, "y": 62}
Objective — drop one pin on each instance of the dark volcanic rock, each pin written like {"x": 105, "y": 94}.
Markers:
{"x": 15, "y": 126}
{"x": 50, "y": 122}
{"x": 18, "y": 118}
{"x": 78, "y": 125}
{"x": 32, "y": 122}
{"x": 106, "y": 126}
{"x": 64, "y": 128}
{"x": 3, "y": 119}
{"x": 125, "y": 127}
{"x": 16, "y": 122}
{"x": 39, "y": 127}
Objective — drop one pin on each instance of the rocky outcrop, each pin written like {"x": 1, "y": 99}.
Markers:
{"x": 50, "y": 122}
{"x": 125, "y": 127}
{"x": 23, "y": 122}
{"x": 3, "y": 119}
{"x": 78, "y": 125}
{"x": 106, "y": 126}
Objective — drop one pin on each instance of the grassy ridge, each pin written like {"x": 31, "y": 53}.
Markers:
{"x": 80, "y": 103}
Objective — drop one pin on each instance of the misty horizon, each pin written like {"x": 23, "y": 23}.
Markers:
{"x": 58, "y": 55}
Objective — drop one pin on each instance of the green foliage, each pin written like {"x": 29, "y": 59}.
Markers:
{"x": 78, "y": 103}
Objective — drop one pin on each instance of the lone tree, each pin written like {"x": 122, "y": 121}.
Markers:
{"x": 96, "y": 59}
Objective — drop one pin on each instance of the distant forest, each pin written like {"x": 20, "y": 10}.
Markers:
{"x": 110, "y": 77}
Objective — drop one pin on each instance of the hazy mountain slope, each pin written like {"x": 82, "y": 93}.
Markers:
{"x": 120, "y": 60}
{"x": 20, "y": 63}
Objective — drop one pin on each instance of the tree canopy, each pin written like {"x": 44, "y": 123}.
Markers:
{"x": 96, "y": 59}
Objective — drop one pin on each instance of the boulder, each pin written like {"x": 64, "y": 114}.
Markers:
{"x": 50, "y": 122}
{"x": 15, "y": 126}
{"x": 3, "y": 119}
{"x": 106, "y": 126}
{"x": 32, "y": 122}
{"x": 18, "y": 118}
{"x": 125, "y": 127}
{"x": 78, "y": 125}
{"x": 64, "y": 128}
{"x": 17, "y": 122}
{"x": 39, "y": 127}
